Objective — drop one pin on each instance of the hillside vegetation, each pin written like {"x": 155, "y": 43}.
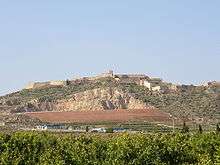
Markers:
{"x": 195, "y": 103}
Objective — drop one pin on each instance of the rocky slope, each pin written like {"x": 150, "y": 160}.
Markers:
{"x": 90, "y": 100}
{"x": 99, "y": 99}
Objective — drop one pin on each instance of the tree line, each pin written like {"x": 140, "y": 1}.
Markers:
{"x": 118, "y": 149}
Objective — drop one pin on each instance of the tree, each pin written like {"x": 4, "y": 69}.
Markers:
{"x": 217, "y": 128}
{"x": 87, "y": 128}
{"x": 67, "y": 82}
{"x": 109, "y": 130}
{"x": 185, "y": 128}
{"x": 200, "y": 129}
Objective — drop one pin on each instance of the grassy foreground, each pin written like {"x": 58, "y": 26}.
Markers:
{"x": 118, "y": 149}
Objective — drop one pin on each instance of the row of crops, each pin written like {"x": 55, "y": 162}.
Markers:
{"x": 118, "y": 149}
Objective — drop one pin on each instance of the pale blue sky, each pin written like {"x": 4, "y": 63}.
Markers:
{"x": 52, "y": 39}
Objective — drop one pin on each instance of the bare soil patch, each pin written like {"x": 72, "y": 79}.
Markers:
{"x": 120, "y": 115}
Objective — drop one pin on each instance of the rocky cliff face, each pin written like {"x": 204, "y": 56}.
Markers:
{"x": 90, "y": 100}
{"x": 99, "y": 99}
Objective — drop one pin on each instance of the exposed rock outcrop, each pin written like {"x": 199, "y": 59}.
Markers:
{"x": 99, "y": 99}
{"x": 90, "y": 100}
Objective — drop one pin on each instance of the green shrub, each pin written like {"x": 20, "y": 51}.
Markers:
{"x": 109, "y": 130}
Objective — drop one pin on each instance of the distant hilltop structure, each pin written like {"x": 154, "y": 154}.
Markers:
{"x": 153, "y": 84}
{"x": 125, "y": 78}
{"x": 34, "y": 85}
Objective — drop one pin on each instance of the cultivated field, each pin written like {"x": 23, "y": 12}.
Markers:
{"x": 102, "y": 116}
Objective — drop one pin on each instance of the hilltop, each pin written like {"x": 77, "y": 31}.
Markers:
{"x": 110, "y": 91}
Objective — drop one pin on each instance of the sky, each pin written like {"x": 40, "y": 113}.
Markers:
{"x": 42, "y": 40}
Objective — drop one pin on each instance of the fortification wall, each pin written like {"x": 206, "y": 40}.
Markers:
{"x": 57, "y": 83}
{"x": 41, "y": 84}
{"x": 103, "y": 75}
{"x": 29, "y": 85}
{"x": 35, "y": 85}
{"x": 126, "y": 78}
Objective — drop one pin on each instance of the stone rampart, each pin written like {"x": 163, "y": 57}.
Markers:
{"x": 36, "y": 85}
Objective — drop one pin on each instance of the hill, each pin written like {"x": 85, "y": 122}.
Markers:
{"x": 109, "y": 92}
